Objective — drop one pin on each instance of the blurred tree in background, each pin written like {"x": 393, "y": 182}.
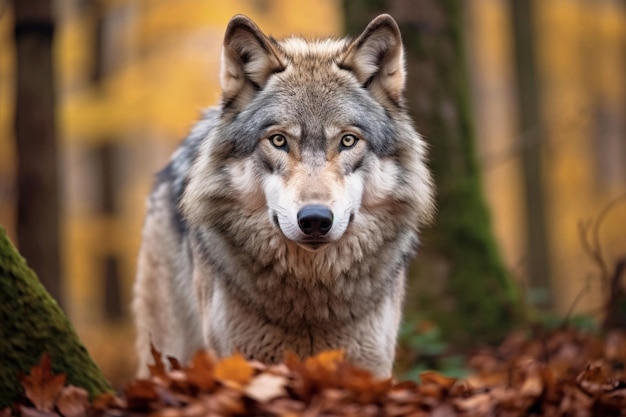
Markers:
{"x": 458, "y": 279}
{"x": 38, "y": 212}
{"x": 533, "y": 141}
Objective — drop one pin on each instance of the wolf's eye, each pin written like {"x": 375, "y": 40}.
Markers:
{"x": 348, "y": 141}
{"x": 279, "y": 141}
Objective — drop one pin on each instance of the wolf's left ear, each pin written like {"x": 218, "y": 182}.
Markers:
{"x": 249, "y": 58}
{"x": 377, "y": 59}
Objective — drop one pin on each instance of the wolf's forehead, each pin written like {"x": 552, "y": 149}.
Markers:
{"x": 299, "y": 49}
{"x": 312, "y": 61}
{"x": 312, "y": 77}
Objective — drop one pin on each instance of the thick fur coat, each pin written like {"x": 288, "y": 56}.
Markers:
{"x": 287, "y": 218}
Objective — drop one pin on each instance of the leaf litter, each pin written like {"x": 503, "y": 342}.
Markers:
{"x": 563, "y": 373}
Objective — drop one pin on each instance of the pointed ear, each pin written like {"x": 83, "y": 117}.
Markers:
{"x": 249, "y": 58}
{"x": 377, "y": 59}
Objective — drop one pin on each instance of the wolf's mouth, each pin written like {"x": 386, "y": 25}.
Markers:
{"x": 313, "y": 245}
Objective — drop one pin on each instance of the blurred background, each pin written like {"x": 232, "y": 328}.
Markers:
{"x": 122, "y": 81}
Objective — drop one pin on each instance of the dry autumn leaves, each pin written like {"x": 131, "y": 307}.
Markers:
{"x": 566, "y": 373}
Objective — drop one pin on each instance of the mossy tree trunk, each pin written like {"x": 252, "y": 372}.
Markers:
{"x": 458, "y": 280}
{"x": 32, "y": 323}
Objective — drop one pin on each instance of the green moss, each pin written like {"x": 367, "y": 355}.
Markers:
{"x": 31, "y": 323}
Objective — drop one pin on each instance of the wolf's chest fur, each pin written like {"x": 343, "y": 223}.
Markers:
{"x": 286, "y": 219}
{"x": 288, "y": 286}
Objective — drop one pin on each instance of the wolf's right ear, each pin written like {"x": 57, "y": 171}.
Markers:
{"x": 249, "y": 58}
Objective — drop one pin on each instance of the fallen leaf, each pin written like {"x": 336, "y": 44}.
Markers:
{"x": 195, "y": 409}
{"x": 266, "y": 387}
{"x": 109, "y": 401}
{"x": 479, "y": 404}
{"x": 615, "y": 346}
{"x": 42, "y": 387}
{"x": 398, "y": 410}
{"x": 532, "y": 385}
{"x": 226, "y": 402}
{"x": 443, "y": 410}
{"x": 200, "y": 372}
{"x": 32, "y": 412}
{"x": 73, "y": 401}
{"x": 141, "y": 395}
{"x": 363, "y": 385}
{"x": 327, "y": 360}
{"x": 234, "y": 370}
{"x": 285, "y": 407}
{"x": 169, "y": 412}
{"x": 174, "y": 363}
{"x": 430, "y": 377}
{"x": 158, "y": 368}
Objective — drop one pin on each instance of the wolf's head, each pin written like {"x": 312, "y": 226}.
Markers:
{"x": 314, "y": 135}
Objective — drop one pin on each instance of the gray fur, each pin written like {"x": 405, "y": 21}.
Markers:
{"x": 224, "y": 264}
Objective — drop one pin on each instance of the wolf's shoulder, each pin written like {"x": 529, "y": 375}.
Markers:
{"x": 171, "y": 181}
{"x": 176, "y": 171}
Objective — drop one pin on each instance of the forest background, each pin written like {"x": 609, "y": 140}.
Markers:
{"x": 130, "y": 76}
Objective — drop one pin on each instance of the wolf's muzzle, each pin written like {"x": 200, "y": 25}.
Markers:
{"x": 315, "y": 220}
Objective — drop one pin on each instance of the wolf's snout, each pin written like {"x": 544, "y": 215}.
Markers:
{"x": 315, "y": 220}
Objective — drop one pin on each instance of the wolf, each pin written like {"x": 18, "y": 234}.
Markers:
{"x": 286, "y": 220}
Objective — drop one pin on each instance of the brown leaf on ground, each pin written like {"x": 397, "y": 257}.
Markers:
{"x": 327, "y": 361}
{"x": 142, "y": 395}
{"x": 73, "y": 402}
{"x": 201, "y": 371}
{"x": 158, "y": 368}
{"x": 108, "y": 401}
{"x": 225, "y": 402}
{"x": 33, "y": 412}
{"x": 233, "y": 371}
{"x": 430, "y": 377}
{"x": 42, "y": 387}
{"x": 174, "y": 364}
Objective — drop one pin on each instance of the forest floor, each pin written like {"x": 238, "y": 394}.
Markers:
{"x": 563, "y": 372}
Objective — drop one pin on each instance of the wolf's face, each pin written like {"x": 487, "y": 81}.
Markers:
{"x": 312, "y": 189}
{"x": 314, "y": 133}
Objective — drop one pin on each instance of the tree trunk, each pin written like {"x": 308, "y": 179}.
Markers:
{"x": 35, "y": 134}
{"x": 458, "y": 279}
{"x": 531, "y": 128}
{"x": 31, "y": 323}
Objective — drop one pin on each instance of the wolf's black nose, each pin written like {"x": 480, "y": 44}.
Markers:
{"x": 315, "y": 219}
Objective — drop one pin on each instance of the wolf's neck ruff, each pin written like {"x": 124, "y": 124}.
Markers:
{"x": 305, "y": 287}
{"x": 287, "y": 218}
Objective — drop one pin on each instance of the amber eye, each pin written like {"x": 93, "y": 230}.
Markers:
{"x": 348, "y": 141}
{"x": 279, "y": 141}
